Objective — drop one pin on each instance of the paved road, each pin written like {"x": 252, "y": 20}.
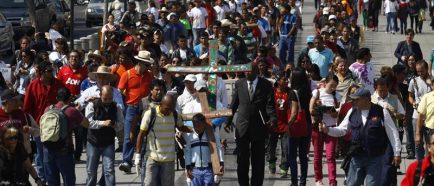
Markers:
{"x": 80, "y": 29}
{"x": 382, "y": 46}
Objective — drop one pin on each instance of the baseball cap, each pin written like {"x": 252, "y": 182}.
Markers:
{"x": 200, "y": 84}
{"x": 361, "y": 92}
{"x": 310, "y": 39}
{"x": 332, "y": 17}
{"x": 190, "y": 77}
{"x": 325, "y": 29}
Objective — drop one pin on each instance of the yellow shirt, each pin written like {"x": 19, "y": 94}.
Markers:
{"x": 161, "y": 141}
{"x": 426, "y": 107}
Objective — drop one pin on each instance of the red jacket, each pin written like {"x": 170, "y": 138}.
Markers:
{"x": 411, "y": 171}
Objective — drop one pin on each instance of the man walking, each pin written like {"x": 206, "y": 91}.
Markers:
{"x": 372, "y": 128}
{"x": 255, "y": 104}
{"x": 134, "y": 84}
{"x": 105, "y": 118}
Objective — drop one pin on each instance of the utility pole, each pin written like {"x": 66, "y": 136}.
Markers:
{"x": 105, "y": 18}
{"x": 71, "y": 28}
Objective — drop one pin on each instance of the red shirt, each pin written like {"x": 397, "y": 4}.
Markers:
{"x": 38, "y": 97}
{"x": 411, "y": 171}
{"x": 74, "y": 118}
{"x": 282, "y": 108}
{"x": 72, "y": 79}
{"x": 134, "y": 86}
{"x": 16, "y": 119}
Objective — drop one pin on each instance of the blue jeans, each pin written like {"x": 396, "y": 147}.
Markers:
{"x": 59, "y": 162}
{"x": 128, "y": 149}
{"x": 108, "y": 162}
{"x": 365, "y": 169}
{"x": 196, "y": 35}
{"x": 203, "y": 177}
{"x": 420, "y": 149}
{"x": 300, "y": 145}
{"x": 286, "y": 48}
{"x": 391, "y": 17}
{"x": 389, "y": 173}
{"x": 39, "y": 159}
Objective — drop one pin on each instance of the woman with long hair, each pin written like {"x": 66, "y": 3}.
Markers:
{"x": 323, "y": 106}
{"x": 299, "y": 145}
{"x": 22, "y": 71}
{"x": 14, "y": 158}
{"x": 59, "y": 56}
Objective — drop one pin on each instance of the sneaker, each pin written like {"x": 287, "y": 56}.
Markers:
{"x": 272, "y": 168}
{"x": 125, "y": 167}
{"x": 319, "y": 183}
{"x": 283, "y": 173}
{"x": 411, "y": 156}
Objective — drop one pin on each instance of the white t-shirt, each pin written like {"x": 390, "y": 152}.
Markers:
{"x": 198, "y": 15}
{"x": 54, "y": 34}
{"x": 327, "y": 100}
{"x": 221, "y": 11}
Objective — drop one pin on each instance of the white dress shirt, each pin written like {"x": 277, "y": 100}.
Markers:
{"x": 253, "y": 83}
{"x": 389, "y": 125}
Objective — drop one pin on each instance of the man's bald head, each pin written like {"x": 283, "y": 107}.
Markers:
{"x": 106, "y": 94}
{"x": 167, "y": 104}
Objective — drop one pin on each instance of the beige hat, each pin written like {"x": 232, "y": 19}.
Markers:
{"x": 226, "y": 23}
{"x": 144, "y": 56}
{"x": 164, "y": 9}
{"x": 102, "y": 71}
{"x": 96, "y": 54}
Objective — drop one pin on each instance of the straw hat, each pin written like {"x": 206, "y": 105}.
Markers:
{"x": 102, "y": 71}
{"x": 164, "y": 9}
{"x": 144, "y": 56}
{"x": 96, "y": 54}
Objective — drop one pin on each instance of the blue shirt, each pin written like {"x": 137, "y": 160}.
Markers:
{"x": 264, "y": 24}
{"x": 85, "y": 84}
{"x": 197, "y": 50}
{"x": 323, "y": 59}
{"x": 289, "y": 21}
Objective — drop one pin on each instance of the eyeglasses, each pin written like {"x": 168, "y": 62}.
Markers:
{"x": 10, "y": 138}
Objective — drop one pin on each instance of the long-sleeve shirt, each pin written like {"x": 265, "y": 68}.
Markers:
{"x": 95, "y": 92}
{"x": 97, "y": 124}
{"x": 389, "y": 125}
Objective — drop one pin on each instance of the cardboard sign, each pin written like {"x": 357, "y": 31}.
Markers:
{"x": 7, "y": 73}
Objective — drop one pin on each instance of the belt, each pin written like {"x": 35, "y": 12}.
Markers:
{"x": 194, "y": 166}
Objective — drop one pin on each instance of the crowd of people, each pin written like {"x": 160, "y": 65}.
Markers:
{"x": 63, "y": 102}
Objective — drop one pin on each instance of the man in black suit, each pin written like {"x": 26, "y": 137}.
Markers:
{"x": 254, "y": 100}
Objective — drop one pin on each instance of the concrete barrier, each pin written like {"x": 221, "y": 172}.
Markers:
{"x": 77, "y": 44}
{"x": 85, "y": 43}
{"x": 93, "y": 41}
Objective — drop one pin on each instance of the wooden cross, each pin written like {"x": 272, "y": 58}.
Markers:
{"x": 208, "y": 100}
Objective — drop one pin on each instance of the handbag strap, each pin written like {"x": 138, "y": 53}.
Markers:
{"x": 298, "y": 100}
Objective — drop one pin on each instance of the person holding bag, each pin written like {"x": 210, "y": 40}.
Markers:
{"x": 323, "y": 106}
{"x": 299, "y": 125}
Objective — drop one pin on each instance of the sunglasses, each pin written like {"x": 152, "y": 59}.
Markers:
{"x": 12, "y": 138}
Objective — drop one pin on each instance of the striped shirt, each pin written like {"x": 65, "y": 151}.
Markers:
{"x": 161, "y": 140}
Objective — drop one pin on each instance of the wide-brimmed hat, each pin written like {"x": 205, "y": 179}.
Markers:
{"x": 164, "y": 9}
{"x": 96, "y": 54}
{"x": 102, "y": 71}
{"x": 144, "y": 56}
{"x": 226, "y": 23}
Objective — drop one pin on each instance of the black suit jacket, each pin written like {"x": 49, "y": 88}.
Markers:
{"x": 404, "y": 50}
{"x": 248, "y": 120}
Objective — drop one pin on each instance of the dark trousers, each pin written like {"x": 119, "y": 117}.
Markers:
{"x": 271, "y": 149}
{"x": 250, "y": 150}
{"x": 389, "y": 171}
{"x": 414, "y": 20}
{"x": 79, "y": 137}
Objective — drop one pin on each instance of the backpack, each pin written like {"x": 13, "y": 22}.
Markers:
{"x": 54, "y": 127}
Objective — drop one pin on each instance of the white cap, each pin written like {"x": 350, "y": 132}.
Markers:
{"x": 332, "y": 17}
{"x": 190, "y": 77}
{"x": 200, "y": 84}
